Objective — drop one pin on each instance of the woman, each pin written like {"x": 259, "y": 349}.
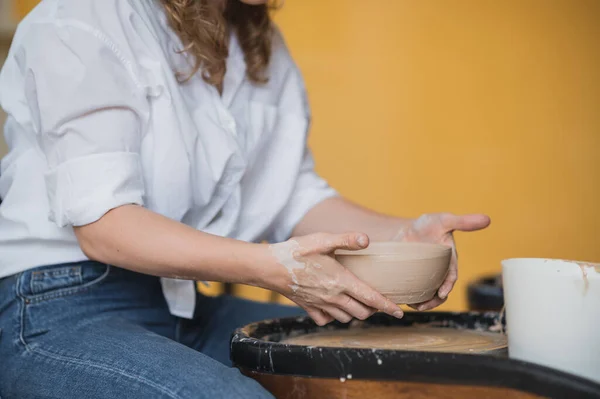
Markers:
{"x": 153, "y": 143}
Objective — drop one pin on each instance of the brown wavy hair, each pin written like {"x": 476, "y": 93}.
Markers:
{"x": 204, "y": 26}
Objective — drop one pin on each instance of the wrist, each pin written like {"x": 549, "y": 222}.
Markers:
{"x": 264, "y": 270}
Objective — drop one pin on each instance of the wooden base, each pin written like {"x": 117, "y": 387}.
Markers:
{"x": 291, "y": 387}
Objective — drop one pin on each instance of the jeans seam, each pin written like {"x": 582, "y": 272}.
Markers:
{"x": 64, "y": 291}
{"x": 67, "y": 359}
{"x": 34, "y": 278}
{"x": 21, "y": 318}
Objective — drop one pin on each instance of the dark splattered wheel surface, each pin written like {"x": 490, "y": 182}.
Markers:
{"x": 267, "y": 352}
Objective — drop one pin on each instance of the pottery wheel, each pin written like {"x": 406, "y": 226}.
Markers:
{"x": 428, "y": 339}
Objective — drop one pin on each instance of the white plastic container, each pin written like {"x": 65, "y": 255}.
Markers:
{"x": 553, "y": 314}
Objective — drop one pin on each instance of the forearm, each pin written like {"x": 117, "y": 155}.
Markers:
{"x": 135, "y": 238}
{"x": 337, "y": 215}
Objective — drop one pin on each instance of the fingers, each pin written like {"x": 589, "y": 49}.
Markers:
{"x": 337, "y": 313}
{"x": 318, "y": 316}
{"x": 343, "y": 308}
{"x": 451, "y": 278}
{"x": 349, "y": 241}
{"x": 432, "y": 303}
{"x": 353, "y": 307}
{"x": 465, "y": 222}
{"x": 443, "y": 291}
{"x": 371, "y": 298}
{"x": 448, "y": 284}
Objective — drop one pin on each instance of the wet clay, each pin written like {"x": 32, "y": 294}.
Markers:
{"x": 428, "y": 339}
{"x": 406, "y": 273}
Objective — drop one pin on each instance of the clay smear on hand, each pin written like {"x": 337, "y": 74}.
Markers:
{"x": 418, "y": 225}
{"x": 310, "y": 279}
{"x": 285, "y": 253}
{"x": 304, "y": 272}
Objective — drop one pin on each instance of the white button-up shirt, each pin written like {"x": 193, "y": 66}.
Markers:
{"x": 97, "y": 119}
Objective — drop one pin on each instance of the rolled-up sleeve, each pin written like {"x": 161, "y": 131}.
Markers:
{"x": 309, "y": 191}
{"x": 89, "y": 113}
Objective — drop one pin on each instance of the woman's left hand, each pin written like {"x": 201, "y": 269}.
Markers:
{"x": 439, "y": 228}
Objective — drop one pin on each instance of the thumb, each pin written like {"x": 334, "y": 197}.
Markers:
{"x": 466, "y": 222}
{"x": 349, "y": 241}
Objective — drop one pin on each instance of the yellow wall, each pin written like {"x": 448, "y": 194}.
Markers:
{"x": 463, "y": 105}
{"x": 22, "y": 7}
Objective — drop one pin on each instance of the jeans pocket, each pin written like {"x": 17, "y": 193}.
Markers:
{"x": 59, "y": 280}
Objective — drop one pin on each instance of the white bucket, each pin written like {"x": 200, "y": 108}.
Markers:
{"x": 553, "y": 314}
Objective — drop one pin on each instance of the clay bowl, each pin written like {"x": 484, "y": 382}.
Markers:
{"x": 406, "y": 273}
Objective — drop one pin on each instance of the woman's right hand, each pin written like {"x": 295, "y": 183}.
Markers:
{"x": 310, "y": 276}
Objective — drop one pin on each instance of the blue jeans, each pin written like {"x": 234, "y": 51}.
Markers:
{"x": 88, "y": 330}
